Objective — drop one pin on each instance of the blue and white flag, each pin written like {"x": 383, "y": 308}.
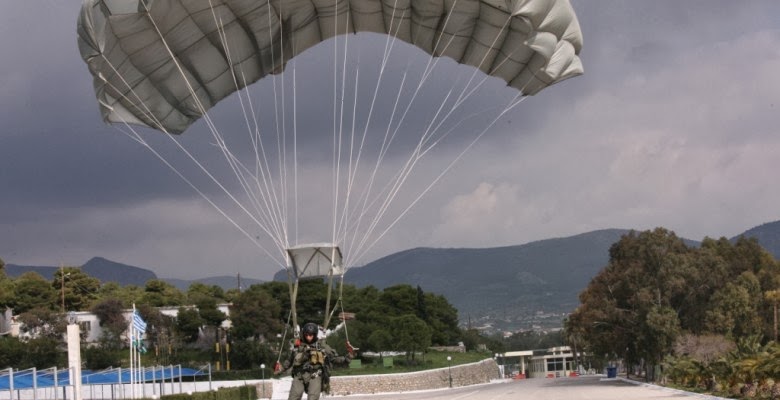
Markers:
{"x": 138, "y": 323}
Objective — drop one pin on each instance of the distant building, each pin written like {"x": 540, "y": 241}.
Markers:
{"x": 89, "y": 323}
{"x": 554, "y": 362}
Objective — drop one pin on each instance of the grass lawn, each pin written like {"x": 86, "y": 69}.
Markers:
{"x": 430, "y": 360}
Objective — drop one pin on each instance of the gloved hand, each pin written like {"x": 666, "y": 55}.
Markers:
{"x": 277, "y": 368}
{"x": 350, "y": 351}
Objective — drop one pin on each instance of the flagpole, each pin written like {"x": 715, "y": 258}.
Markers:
{"x": 137, "y": 329}
{"x": 132, "y": 353}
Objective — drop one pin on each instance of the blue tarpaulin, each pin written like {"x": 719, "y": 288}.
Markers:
{"x": 45, "y": 378}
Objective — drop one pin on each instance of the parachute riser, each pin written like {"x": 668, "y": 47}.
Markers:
{"x": 307, "y": 261}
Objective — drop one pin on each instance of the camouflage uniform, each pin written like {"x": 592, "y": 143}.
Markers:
{"x": 311, "y": 364}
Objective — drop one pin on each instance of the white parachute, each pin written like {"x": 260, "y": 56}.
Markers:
{"x": 164, "y": 64}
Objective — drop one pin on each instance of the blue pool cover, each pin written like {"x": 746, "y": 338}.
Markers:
{"x": 45, "y": 378}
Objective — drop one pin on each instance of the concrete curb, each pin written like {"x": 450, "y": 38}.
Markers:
{"x": 671, "y": 390}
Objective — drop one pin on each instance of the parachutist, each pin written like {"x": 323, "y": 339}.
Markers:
{"x": 311, "y": 362}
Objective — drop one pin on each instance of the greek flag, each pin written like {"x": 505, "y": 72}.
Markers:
{"x": 138, "y": 323}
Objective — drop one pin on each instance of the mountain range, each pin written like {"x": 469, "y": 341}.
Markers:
{"x": 525, "y": 286}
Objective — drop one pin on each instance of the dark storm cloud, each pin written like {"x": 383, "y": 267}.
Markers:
{"x": 673, "y": 124}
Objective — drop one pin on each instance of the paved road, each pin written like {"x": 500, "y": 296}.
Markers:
{"x": 580, "y": 388}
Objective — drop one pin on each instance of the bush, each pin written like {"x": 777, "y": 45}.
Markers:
{"x": 101, "y": 358}
{"x": 234, "y": 393}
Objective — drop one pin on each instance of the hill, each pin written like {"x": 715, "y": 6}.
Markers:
{"x": 98, "y": 267}
{"x": 111, "y": 271}
{"x": 528, "y": 285}
{"x": 510, "y": 287}
{"x": 768, "y": 235}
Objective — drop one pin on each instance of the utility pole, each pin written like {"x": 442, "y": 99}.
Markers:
{"x": 62, "y": 287}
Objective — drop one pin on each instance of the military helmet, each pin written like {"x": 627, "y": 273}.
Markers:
{"x": 310, "y": 328}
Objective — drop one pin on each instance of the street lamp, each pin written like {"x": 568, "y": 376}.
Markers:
{"x": 449, "y": 368}
{"x": 262, "y": 369}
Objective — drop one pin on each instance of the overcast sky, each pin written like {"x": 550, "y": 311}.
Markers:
{"x": 674, "y": 124}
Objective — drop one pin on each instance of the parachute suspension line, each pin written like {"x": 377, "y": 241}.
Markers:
{"x": 266, "y": 213}
{"x": 284, "y": 336}
{"x": 338, "y": 120}
{"x": 389, "y": 43}
{"x": 262, "y": 187}
{"x": 328, "y": 312}
{"x": 340, "y": 235}
{"x": 404, "y": 174}
{"x": 343, "y": 313}
{"x": 430, "y": 131}
{"x": 353, "y": 167}
{"x": 281, "y": 143}
{"x": 394, "y": 186}
{"x": 274, "y": 212}
{"x": 333, "y": 177}
{"x": 184, "y": 150}
{"x": 295, "y": 152}
{"x": 140, "y": 105}
{"x": 339, "y": 143}
{"x": 292, "y": 284}
{"x": 383, "y": 150}
{"x": 230, "y": 158}
{"x": 134, "y": 135}
{"x": 463, "y": 95}
{"x": 339, "y": 301}
{"x": 512, "y": 103}
{"x": 271, "y": 184}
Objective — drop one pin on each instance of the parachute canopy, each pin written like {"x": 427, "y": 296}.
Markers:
{"x": 164, "y": 63}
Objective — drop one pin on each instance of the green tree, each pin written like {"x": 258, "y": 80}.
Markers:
{"x": 42, "y": 352}
{"x": 630, "y": 308}
{"x": 11, "y": 351}
{"x": 400, "y": 300}
{"x": 442, "y": 318}
{"x": 102, "y": 357}
{"x": 189, "y": 324}
{"x": 773, "y": 297}
{"x": 380, "y": 340}
{"x": 410, "y": 334}
{"x": 6, "y": 288}
{"x": 249, "y": 354}
{"x": 126, "y": 295}
{"x": 110, "y": 313}
{"x": 733, "y": 310}
{"x": 31, "y": 290}
{"x": 77, "y": 290}
{"x": 158, "y": 293}
{"x": 255, "y": 314}
{"x": 43, "y": 322}
{"x": 199, "y": 292}
{"x": 209, "y": 313}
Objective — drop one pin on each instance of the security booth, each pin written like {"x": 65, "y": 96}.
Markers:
{"x": 554, "y": 362}
{"x": 516, "y": 363}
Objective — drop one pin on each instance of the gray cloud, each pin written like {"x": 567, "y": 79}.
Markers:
{"x": 674, "y": 124}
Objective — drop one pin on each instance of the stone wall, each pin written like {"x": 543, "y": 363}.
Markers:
{"x": 462, "y": 375}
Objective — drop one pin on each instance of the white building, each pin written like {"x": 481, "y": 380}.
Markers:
{"x": 90, "y": 323}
